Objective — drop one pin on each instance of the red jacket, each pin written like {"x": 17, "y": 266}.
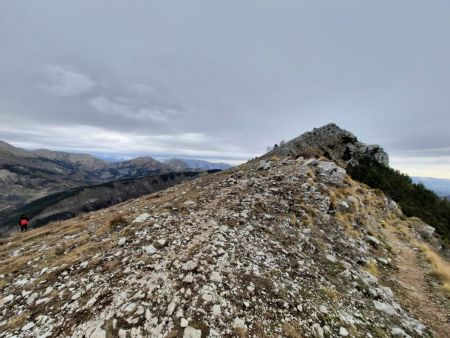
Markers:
{"x": 24, "y": 221}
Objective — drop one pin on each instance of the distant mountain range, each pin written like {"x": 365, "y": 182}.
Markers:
{"x": 440, "y": 186}
{"x": 196, "y": 164}
{"x": 26, "y": 175}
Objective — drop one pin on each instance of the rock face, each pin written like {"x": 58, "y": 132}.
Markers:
{"x": 334, "y": 143}
{"x": 261, "y": 250}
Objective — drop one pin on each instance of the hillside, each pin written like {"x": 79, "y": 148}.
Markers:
{"x": 282, "y": 246}
{"x": 440, "y": 186}
{"x": 69, "y": 203}
{"x": 29, "y": 175}
{"x": 414, "y": 199}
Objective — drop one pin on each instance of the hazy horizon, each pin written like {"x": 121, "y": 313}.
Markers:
{"x": 224, "y": 80}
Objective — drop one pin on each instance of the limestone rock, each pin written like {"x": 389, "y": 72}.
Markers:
{"x": 190, "y": 332}
{"x": 141, "y": 218}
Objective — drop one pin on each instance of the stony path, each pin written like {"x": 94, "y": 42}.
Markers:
{"x": 417, "y": 298}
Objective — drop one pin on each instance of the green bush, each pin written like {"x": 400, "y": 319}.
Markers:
{"x": 414, "y": 199}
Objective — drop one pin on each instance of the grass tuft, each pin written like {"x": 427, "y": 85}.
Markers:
{"x": 439, "y": 267}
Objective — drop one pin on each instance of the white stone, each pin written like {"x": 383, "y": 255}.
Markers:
{"x": 207, "y": 297}
{"x": 6, "y": 300}
{"x": 28, "y": 326}
{"x": 343, "y": 332}
{"x": 42, "y": 301}
{"x": 318, "y": 330}
{"x": 141, "y": 218}
{"x": 98, "y": 333}
{"x": 21, "y": 282}
{"x": 171, "y": 308}
{"x": 148, "y": 315}
{"x": 140, "y": 310}
{"x": 190, "y": 332}
{"x": 189, "y": 266}
{"x": 122, "y": 333}
{"x": 189, "y": 278}
{"x": 264, "y": 165}
{"x": 343, "y": 205}
{"x": 32, "y": 298}
{"x": 149, "y": 249}
{"x": 139, "y": 295}
{"x": 398, "y": 332}
{"x": 239, "y": 323}
{"x": 373, "y": 240}
{"x": 216, "y": 277}
{"x": 92, "y": 301}
{"x": 184, "y": 322}
{"x": 76, "y": 296}
{"x": 122, "y": 241}
{"x": 384, "y": 307}
{"x": 130, "y": 308}
{"x": 216, "y": 311}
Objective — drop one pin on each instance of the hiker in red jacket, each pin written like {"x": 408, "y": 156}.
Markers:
{"x": 23, "y": 222}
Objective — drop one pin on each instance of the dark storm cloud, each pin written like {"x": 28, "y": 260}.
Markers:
{"x": 225, "y": 79}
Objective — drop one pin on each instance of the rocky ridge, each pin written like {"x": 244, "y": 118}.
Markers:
{"x": 337, "y": 144}
{"x": 284, "y": 246}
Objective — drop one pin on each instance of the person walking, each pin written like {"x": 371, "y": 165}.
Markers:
{"x": 23, "y": 222}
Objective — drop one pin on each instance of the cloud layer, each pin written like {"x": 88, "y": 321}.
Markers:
{"x": 225, "y": 79}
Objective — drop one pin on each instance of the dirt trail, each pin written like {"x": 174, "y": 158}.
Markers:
{"x": 415, "y": 297}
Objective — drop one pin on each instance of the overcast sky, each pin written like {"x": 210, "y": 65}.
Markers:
{"x": 225, "y": 79}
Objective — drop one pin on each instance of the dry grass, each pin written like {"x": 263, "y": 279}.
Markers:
{"x": 310, "y": 174}
{"x": 439, "y": 267}
{"x": 345, "y": 221}
{"x": 114, "y": 222}
{"x": 372, "y": 267}
{"x": 18, "y": 321}
{"x": 292, "y": 219}
{"x": 330, "y": 294}
{"x": 292, "y": 330}
{"x": 311, "y": 151}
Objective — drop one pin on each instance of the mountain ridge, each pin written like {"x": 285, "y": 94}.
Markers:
{"x": 26, "y": 175}
{"x": 286, "y": 246}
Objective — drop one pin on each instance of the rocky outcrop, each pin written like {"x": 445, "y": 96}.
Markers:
{"x": 334, "y": 143}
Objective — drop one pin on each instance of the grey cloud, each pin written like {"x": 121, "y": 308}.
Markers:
{"x": 62, "y": 81}
{"x": 244, "y": 75}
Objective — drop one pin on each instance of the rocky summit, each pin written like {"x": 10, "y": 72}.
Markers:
{"x": 334, "y": 143}
{"x": 283, "y": 246}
